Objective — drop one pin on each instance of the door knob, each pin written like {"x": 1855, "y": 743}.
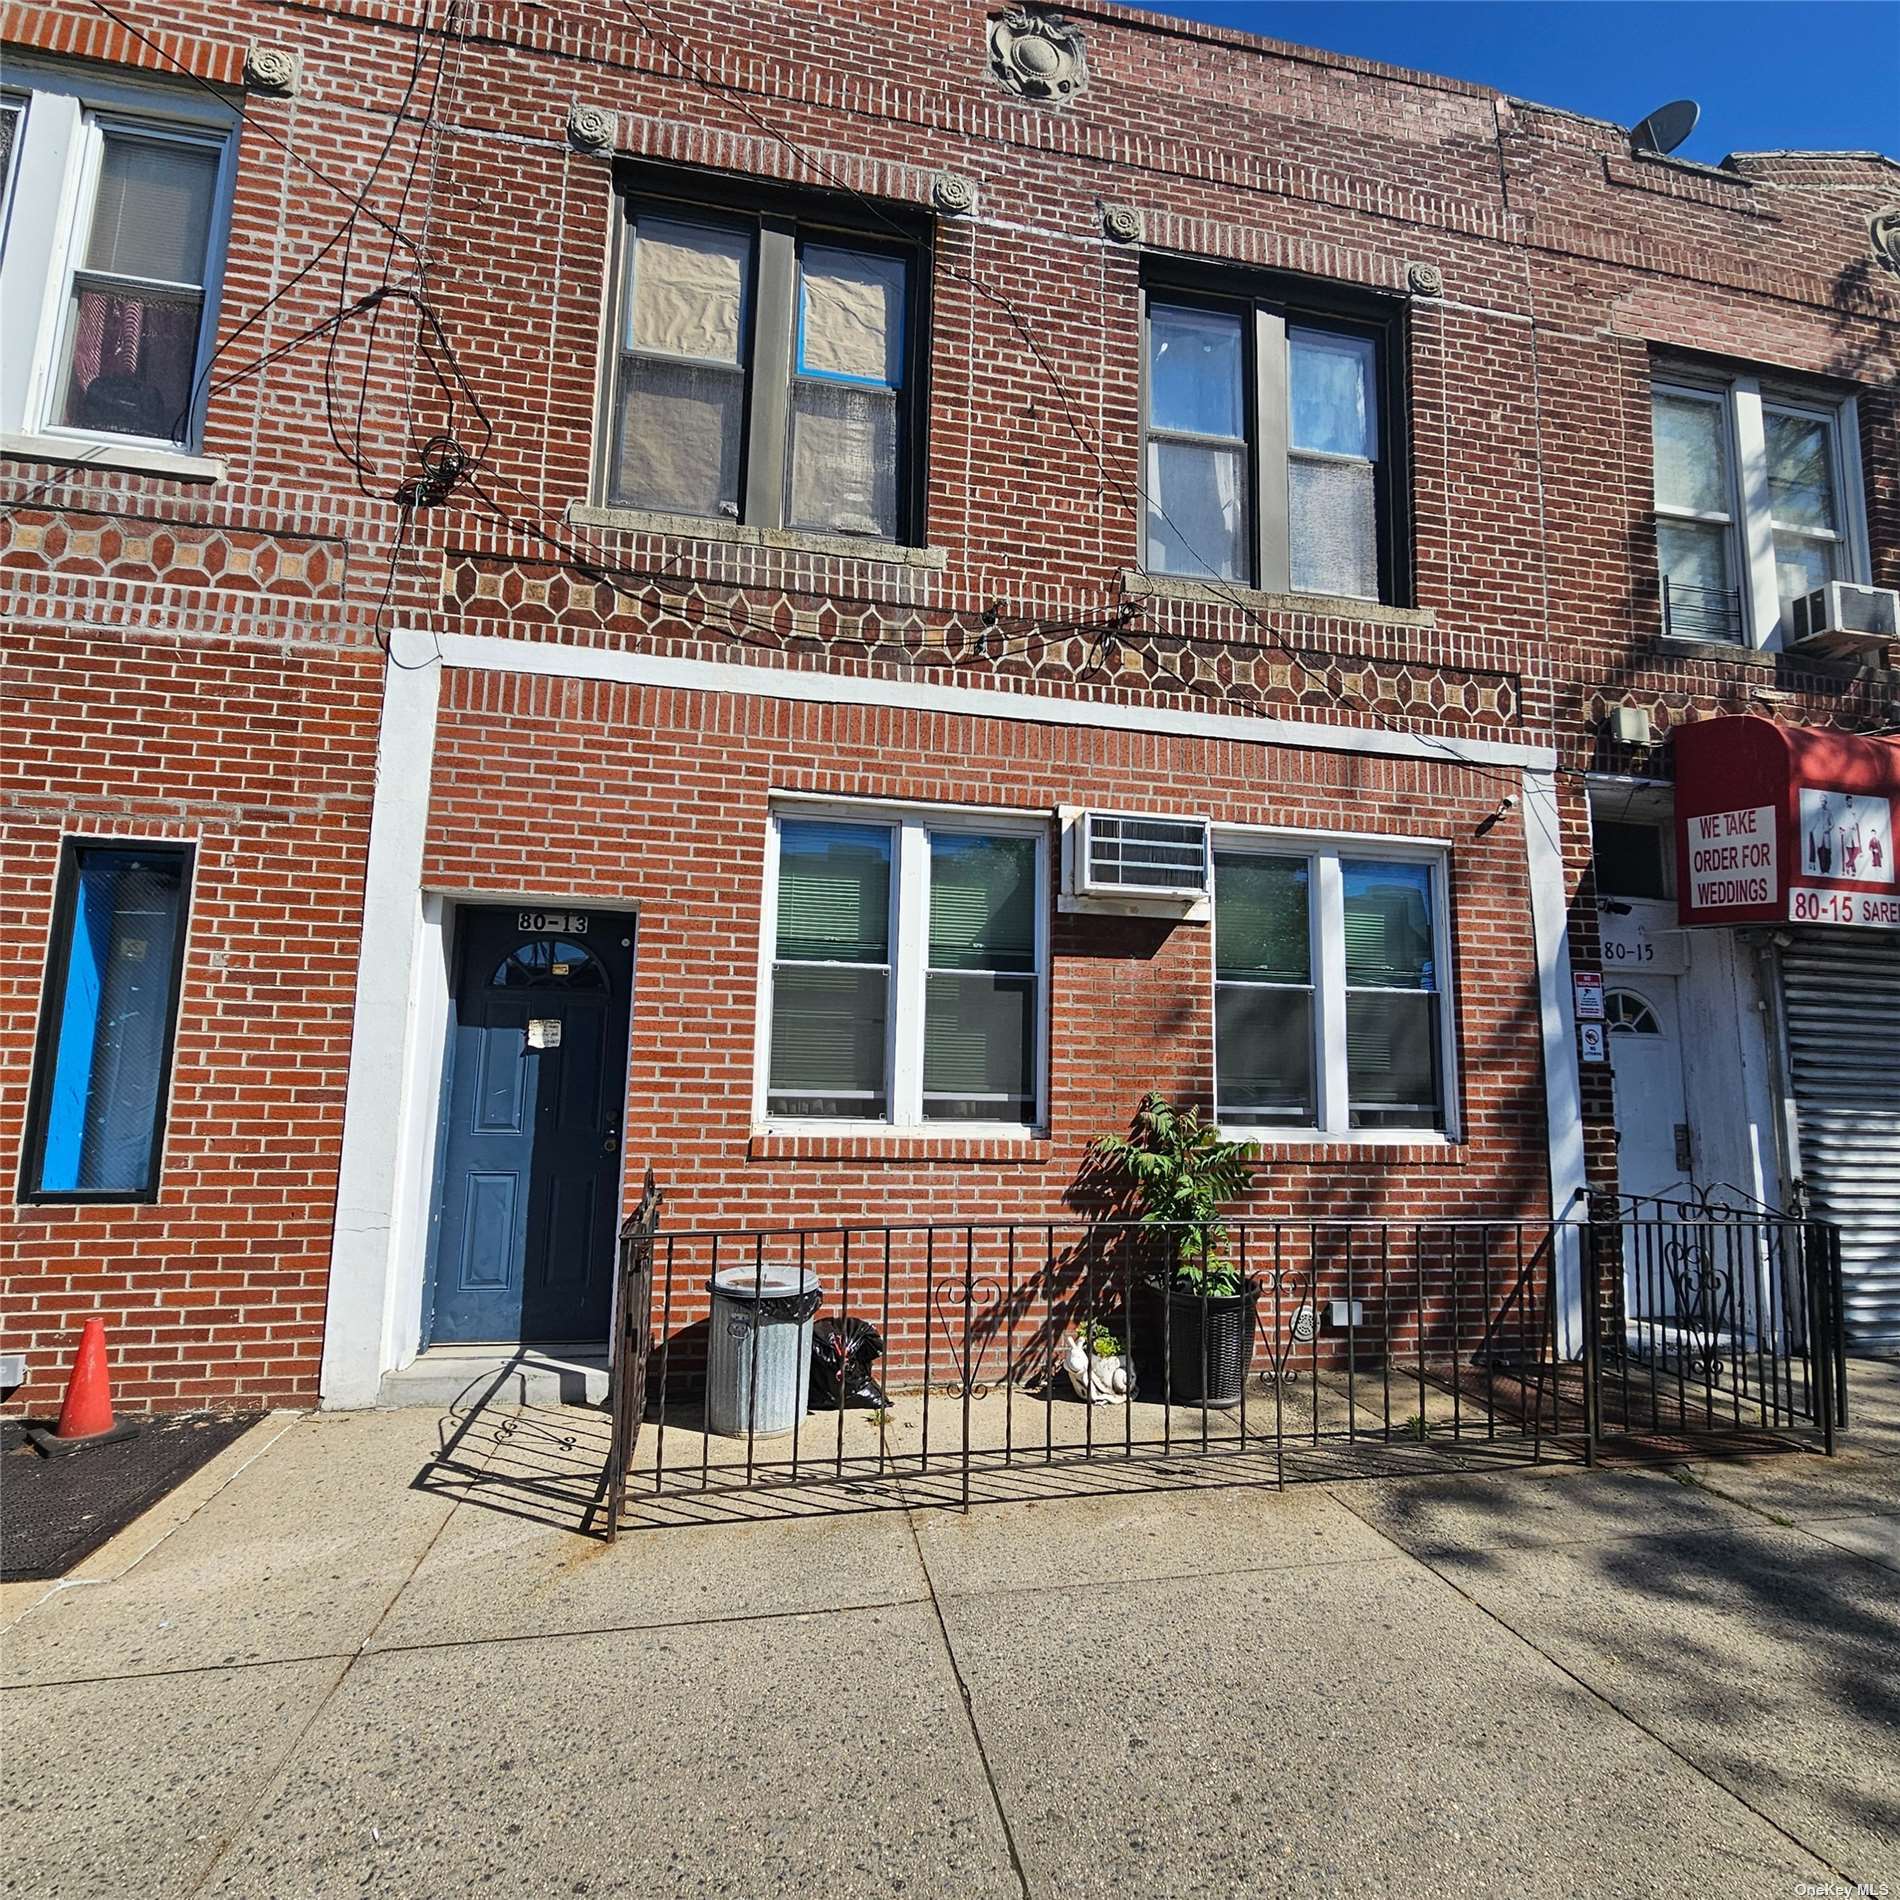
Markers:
{"x": 610, "y": 1145}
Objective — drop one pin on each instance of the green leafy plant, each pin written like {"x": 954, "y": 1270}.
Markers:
{"x": 1099, "y": 1340}
{"x": 1181, "y": 1172}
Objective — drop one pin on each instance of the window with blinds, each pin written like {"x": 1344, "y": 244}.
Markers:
{"x": 1328, "y": 1005}
{"x": 908, "y": 982}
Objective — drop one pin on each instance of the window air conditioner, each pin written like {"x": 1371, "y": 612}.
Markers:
{"x": 1844, "y": 619}
{"x": 1136, "y": 864}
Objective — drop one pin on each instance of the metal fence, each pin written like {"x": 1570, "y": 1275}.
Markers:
{"x": 1350, "y": 1347}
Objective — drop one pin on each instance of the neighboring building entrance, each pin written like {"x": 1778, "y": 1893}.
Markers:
{"x": 536, "y": 1085}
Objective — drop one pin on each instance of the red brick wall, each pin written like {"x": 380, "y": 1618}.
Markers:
{"x": 1566, "y": 265}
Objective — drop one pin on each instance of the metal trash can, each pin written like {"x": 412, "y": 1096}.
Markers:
{"x": 763, "y": 1315}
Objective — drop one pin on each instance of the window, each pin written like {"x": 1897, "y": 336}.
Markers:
{"x": 1632, "y": 858}
{"x": 1757, "y": 503}
{"x": 764, "y": 375}
{"x": 1266, "y": 461}
{"x": 97, "y": 1114}
{"x": 114, "y": 240}
{"x": 906, "y": 980}
{"x": 1329, "y": 1008}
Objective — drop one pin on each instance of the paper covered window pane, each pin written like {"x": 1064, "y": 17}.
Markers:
{"x": 979, "y": 1048}
{"x": 688, "y": 290}
{"x": 131, "y": 363}
{"x": 679, "y": 437}
{"x": 1691, "y": 449}
{"x": 1194, "y": 371}
{"x": 1197, "y": 515}
{"x": 152, "y": 214}
{"x": 844, "y": 460}
{"x": 1802, "y": 563}
{"x": 1263, "y": 1056}
{"x": 1332, "y": 528}
{"x": 1334, "y": 404}
{"x": 1389, "y": 925}
{"x": 851, "y": 315}
{"x": 1800, "y": 471}
{"x": 982, "y": 902}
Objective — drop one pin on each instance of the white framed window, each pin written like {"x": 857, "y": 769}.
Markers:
{"x": 1332, "y": 1005}
{"x": 1758, "y": 501}
{"x": 904, "y": 969}
{"x": 118, "y": 204}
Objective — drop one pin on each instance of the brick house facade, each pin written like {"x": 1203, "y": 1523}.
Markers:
{"x": 598, "y": 708}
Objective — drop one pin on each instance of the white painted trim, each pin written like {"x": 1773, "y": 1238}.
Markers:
{"x": 549, "y": 659}
{"x": 420, "y": 1126}
{"x": 1563, "y": 1090}
{"x": 363, "y": 1331}
{"x": 121, "y": 454}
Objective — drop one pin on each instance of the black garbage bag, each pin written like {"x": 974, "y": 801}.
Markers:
{"x": 842, "y": 1355}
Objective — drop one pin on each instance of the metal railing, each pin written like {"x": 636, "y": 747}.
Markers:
{"x": 1701, "y": 613}
{"x": 1352, "y": 1347}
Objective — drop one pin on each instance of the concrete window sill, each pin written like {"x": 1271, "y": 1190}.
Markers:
{"x": 735, "y": 534}
{"x": 131, "y": 458}
{"x": 1142, "y": 586}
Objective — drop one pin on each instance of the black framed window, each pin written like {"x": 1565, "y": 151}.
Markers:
{"x": 1273, "y": 451}
{"x": 767, "y": 371}
{"x": 108, "y": 1020}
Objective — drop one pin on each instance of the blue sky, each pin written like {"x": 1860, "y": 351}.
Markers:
{"x": 1769, "y": 76}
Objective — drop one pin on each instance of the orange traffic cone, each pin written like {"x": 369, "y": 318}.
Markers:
{"x": 85, "y": 1419}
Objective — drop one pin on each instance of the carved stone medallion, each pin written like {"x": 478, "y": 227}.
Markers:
{"x": 1037, "y": 56}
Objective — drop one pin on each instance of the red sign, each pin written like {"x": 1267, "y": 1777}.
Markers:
{"x": 1785, "y": 824}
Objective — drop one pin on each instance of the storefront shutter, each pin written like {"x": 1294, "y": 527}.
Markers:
{"x": 1842, "y": 990}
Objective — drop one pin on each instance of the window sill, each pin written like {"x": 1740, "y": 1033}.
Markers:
{"x": 1144, "y": 586}
{"x": 1019, "y": 1145}
{"x": 128, "y": 457}
{"x": 1416, "y": 1147}
{"x": 736, "y": 534}
{"x": 1765, "y": 659}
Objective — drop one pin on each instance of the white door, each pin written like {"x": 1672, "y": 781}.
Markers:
{"x": 1653, "y": 1162}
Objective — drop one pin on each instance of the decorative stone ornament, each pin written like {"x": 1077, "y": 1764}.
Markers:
{"x": 955, "y": 197}
{"x": 1424, "y": 280}
{"x": 1883, "y": 231}
{"x": 272, "y": 69}
{"x": 1122, "y": 223}
{"x": 1037, "y": 56}
{"x": 590, "y": 128}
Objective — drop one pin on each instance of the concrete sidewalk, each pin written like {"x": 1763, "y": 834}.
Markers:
{"x": 309, "y": 1677}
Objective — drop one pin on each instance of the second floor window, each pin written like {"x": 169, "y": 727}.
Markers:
{"x": 116, "y": 196}
{"x": 1267, "y": 459}
{"x": 1755, "y": 504}
{"x": 763, "y": 375}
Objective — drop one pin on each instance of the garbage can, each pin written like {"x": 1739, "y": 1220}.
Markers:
{"x": 763, "y": 1315}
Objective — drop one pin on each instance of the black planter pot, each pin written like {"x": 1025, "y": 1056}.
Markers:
{"x": 1208, "y": 1345}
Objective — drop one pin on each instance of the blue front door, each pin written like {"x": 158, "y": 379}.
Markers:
{"x": 536, "y": 1087}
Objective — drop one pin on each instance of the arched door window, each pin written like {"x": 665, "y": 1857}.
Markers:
{"x": 1628, "y": 1015}
{"x": 550, "y": 963}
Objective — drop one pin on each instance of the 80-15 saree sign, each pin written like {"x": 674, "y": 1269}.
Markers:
{"x": 1785, "y": 824}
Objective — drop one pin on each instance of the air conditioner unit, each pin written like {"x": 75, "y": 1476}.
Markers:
{"x": 1136, "y": 864}
{"x": 1844, "y": 619}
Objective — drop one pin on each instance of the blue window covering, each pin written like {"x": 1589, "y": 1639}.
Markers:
{"x": 111, "y": 1024}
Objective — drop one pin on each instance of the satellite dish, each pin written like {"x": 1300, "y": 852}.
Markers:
{"x": 1666, "y": 127}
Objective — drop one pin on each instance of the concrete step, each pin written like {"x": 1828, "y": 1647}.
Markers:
{"x": 447, "y": 1376}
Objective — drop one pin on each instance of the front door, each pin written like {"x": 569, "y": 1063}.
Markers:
{"x": 530, "y": 1157}
{"x": 1653, "y": 1160}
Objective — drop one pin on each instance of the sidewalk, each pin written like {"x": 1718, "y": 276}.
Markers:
{"x": 305, "y": 1678}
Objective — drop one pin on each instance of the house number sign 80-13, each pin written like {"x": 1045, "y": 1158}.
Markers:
{"x": 571, "y": 923}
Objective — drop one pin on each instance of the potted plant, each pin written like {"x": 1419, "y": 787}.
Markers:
{"x": 1180, "y": 1172}
{"x": 1097, "y": 1364}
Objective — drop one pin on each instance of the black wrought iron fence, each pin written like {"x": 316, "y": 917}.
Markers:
{"x": 946, "y": 1352}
